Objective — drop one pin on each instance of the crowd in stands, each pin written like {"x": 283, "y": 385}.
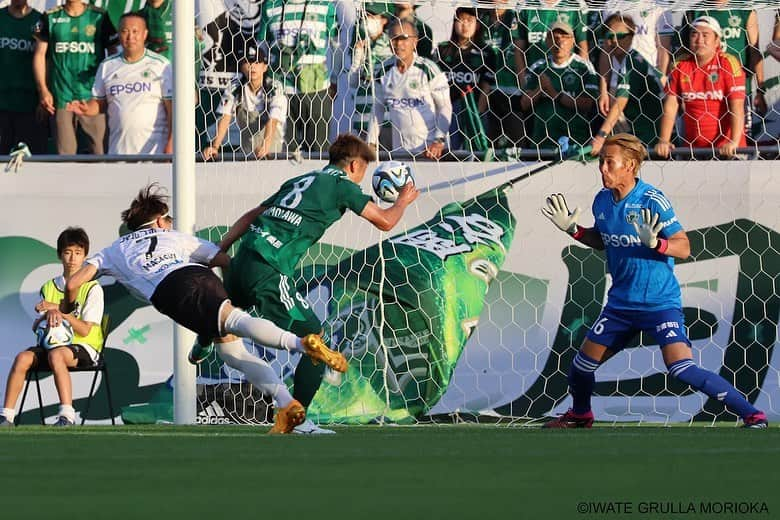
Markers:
{"x": 506, "y": 78}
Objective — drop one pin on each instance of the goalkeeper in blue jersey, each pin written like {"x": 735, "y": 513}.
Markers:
{"x": 636, "y": 225}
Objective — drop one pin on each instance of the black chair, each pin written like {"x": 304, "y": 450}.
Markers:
{"x": 99, "y": 367}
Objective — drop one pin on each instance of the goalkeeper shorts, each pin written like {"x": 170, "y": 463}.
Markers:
{"x": 615, "y": 328}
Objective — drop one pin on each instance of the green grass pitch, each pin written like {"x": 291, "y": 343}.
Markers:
{"x": 407, "y": 473}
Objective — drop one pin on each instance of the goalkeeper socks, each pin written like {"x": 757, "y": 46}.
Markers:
{"x": 262, "y": 331}
{"x": 9, "y": 414}
{"x": 68, "y": 412}
{"x": 713, "y": 385}
{"x": 581, "y": 382}
{"x": 257, "y": 371}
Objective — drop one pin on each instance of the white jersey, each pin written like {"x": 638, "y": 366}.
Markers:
{"x": 142, "y": 259}
{"x": 416, "y": 102}
{"x": 134, "y": 92}
{"x": 273, "y": 101}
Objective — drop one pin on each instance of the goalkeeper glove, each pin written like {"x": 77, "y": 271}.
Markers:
{"x": 558, "y": 213}
{"x": 648, "y": 231}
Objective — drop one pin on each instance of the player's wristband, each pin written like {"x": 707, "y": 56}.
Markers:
{"x": 662, "y": 245}
{"x": 578, "y": 232}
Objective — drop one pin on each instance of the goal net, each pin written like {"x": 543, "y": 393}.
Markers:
{"x": 472, "y": 309}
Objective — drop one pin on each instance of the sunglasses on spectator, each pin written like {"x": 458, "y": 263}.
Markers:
{"x": 402, "y": 36}
{"x": 617, "y": 35}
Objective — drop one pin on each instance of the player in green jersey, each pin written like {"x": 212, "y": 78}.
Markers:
{"x": 277, "y": 233}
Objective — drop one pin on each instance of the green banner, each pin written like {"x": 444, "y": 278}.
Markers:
{"x": 402, "y": 310}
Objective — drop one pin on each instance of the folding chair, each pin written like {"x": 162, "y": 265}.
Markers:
{"x": 99, "y": 367}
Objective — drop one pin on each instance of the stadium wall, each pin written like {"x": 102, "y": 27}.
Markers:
{"x": 537, "y": 310}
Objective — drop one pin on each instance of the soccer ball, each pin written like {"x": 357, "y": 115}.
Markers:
{"x": 389, "y": 177}
{"x": 52, "y": 337}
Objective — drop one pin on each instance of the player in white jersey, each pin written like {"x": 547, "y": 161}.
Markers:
{"x": 414, "y": 95}
{"x": 171, "y": 270}
{"x": 135, "y": 88}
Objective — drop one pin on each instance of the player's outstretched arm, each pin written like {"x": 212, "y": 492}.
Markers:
{"x": 386, "y": 218}
{"x": 82, "y": 276}
{"x": 676, "y": 245}
{"x": 240, "y": 227}
{"x": 559, "y": 214}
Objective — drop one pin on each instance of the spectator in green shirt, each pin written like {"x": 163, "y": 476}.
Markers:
{"x": 18, "y": 97}
{"x": 634, "y": 84}
{"x": 561, "y": 91}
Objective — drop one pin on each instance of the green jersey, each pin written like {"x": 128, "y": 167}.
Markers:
{"x": 552, "y": 120}
{"x": 363, "y": 63}
{"x": 534, "y": 24}
{"x": 159, "y": 22}
{"x": 76, "y": 46}
{"x": 300, "y": 35}
{"x": 640, "y": 83}
{"x": 297, "y": 215}
{"x": 17, "y": 90}
{"x": 501, "y": 34}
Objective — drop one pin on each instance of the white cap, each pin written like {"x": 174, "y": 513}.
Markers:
{"x": 710, "y": 22}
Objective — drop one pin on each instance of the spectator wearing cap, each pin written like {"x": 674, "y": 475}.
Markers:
{"x": 710, "y": 84}
{"x": 740, "y": 38}
{"x": 414, "y": 95}
{"x": 134, "y": 88}
{"x": 633, "y": 84}
{"x": 259, "y": 105}
{"x": 561, "y": 92}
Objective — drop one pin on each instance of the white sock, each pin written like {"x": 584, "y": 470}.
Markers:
{"x": 9, "y": 414}
{"x": 262, "y": 331}
{"x": 68, "y": 412}
{"x": 256, "y": 370}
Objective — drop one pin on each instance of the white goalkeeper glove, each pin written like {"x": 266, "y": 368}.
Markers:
{"x": 649, "y": 228}
{"x": 558, "y": 213}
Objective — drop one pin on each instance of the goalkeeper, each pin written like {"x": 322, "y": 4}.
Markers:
{"x": 636, "y": 225}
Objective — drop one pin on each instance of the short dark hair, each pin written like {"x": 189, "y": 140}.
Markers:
{"x": 132, "y": 14}
{"x": 151, "y": 202}
{"x": 348, "y": 146}
{"x": 72, "y": 236}
{"x": 405, "y": 26}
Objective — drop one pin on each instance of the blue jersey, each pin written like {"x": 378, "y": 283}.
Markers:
{"x": 642, "y": 278}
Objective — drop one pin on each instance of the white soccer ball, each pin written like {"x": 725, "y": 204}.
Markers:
{"x": 389, "y": 177}
{"x": 52, "y": 337}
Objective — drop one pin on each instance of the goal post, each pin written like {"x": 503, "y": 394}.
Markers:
{"x": 183, "y": 192}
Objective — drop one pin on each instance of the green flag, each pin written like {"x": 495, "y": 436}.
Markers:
{"x": 402, "y": 311}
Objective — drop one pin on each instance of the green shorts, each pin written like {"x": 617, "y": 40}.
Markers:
{"x": 252, "y": 282}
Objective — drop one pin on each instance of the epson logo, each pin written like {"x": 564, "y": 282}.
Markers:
{"x": 130, "y": 88}
{"x": 16, "y": 44}
{"x": 710, "y": 95}
{"x": 462, "y": 77}
{"x": 77, "y": 47}
{"x": 404, "y": 102}
{"x": 620, "y": 240}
